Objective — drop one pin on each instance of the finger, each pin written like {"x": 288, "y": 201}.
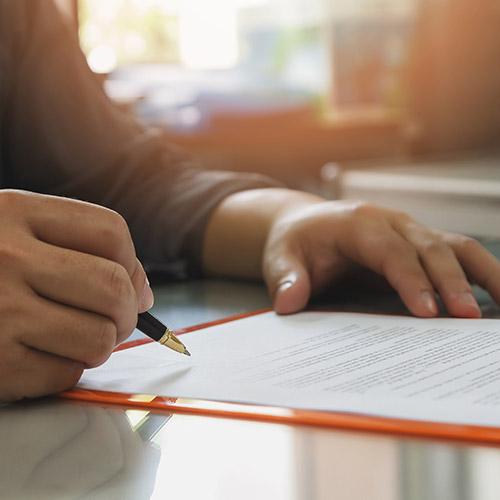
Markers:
{"x": 383, "y": 250}
{"x": 87, "y": 228}
{"x": 80, "y": 226}
{"x": 288, "y": 281}
{"x": 482, "y": 266}
{"x": 67, "y": 332}
{"x": 85, "y": 282}
{"x": 33, "y": 374}
{"x": 445, "y": 272}
{"x": 403, "y": 270}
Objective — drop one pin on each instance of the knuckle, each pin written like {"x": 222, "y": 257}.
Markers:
{"x": 10, "y": 254}
{"x": 13, "y": 312}
{"x": 10, "y": 199}
{"x": 404, "y": 217}
{"x": 115, "y": 233}
{"x": 119, "y": 284}
{"x": 468, "y": 245}
{"x": 434, "y": 248}
{"x": 364, "y": 210}
{"x": 105, "y": 343}
{"x": 120, "y": 225}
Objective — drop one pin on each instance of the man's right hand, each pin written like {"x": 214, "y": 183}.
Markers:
{"x": 71, "y": 289}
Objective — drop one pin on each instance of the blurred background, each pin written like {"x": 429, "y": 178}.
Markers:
{"x": 286, "y": 87}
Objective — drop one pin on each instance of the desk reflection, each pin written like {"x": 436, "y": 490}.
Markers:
{"x": 60, "y": 450}
{"x": 227, "y": 460}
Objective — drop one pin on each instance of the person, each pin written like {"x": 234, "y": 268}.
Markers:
{"x": 88, "y": 195}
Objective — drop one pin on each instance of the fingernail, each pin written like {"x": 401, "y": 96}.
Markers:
{"x": 147, "y": 297}
{"x": 284, "y": 286}
{"x": 428, "y": 301}
{"x": 468, "y": 299}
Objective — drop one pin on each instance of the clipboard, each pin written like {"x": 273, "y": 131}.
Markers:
{"x": 281, "y": 415}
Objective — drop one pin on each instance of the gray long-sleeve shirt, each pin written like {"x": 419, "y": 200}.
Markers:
{"x": 60, "y": 134}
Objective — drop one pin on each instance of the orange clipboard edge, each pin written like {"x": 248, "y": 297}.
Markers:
{"x": 348, "y": 421}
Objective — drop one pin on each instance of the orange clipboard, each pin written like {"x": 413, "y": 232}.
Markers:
{"x": 289, "y": 416}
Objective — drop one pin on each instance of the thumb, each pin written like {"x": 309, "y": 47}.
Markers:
{"x": 289, "y": 284}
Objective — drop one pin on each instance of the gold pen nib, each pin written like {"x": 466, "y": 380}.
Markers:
{"x": 171, "y": 341}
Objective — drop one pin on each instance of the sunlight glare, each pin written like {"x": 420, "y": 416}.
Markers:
{"x": 208, "y": 34}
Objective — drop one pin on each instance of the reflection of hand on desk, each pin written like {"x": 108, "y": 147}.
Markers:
{"x": 69, "y": 451}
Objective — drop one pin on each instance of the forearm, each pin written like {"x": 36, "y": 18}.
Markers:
{"x": 88, "y": 149}
{"x": 238, "y": 229}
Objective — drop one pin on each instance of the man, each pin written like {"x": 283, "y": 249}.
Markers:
{"x": 71, "y": 283}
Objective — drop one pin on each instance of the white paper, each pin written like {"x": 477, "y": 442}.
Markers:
{"x": 440, "y": 370}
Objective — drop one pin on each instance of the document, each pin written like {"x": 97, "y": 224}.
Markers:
{"x": 438, "y": 370}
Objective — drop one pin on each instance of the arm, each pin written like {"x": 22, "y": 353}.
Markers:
{"x": 300, "y": 244}
{"x": 72, "y": 285}
{"x": 66, "y": 138}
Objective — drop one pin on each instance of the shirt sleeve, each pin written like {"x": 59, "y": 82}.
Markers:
{"x": 65, "y": 137}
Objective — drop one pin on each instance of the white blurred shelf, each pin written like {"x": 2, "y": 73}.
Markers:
{"x": 455, "y": 195}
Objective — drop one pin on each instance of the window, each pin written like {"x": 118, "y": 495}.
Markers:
{"x": 185, "y": 60}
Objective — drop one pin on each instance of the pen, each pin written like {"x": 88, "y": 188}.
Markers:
{"x": 157, "y": 331}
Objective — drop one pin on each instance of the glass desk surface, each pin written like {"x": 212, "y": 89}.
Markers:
{"x": 61, "y": 450}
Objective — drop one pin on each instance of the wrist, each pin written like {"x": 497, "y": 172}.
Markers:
{"x": 237, "y": 232}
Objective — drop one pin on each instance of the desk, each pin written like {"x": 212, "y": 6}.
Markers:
{"x": 53, "y": 449}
